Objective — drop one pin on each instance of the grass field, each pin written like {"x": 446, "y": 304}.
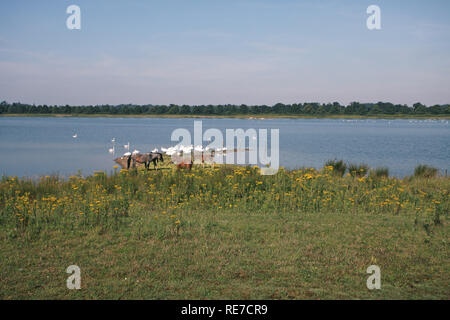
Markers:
{"x": 224, "y": 233}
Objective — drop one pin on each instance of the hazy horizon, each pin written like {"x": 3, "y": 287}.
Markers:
{"x": 235, "y": 52}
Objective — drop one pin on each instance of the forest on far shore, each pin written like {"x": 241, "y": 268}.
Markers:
{"x": 307, "y": 108}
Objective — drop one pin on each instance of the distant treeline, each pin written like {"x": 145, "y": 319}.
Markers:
{"x": 308, "y": 108}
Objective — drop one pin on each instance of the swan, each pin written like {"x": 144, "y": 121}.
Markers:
{"x": 127, "y": 146}
{"x": 135, "y": 152}
{"x": 111, "y": 150}
{"x": 198, "y": 148}
{"x": 113, "y": 140}
{"x": 170, "y": 152}
{"x": 155, "y": 150}
{"x": 75, "y": 136}
{"x": 187, "y": 149}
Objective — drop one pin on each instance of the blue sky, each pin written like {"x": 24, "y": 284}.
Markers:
{"x": 219, "y": 52}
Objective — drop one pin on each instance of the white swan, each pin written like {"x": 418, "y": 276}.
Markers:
{"x": 127, "y": 146}
{"x": 199, "y": 148}
{"x": 187, "y": 149}
{"x": 75, "y": 136}
{"x": 171, "y": 152}
{"x": 112, "y": 150}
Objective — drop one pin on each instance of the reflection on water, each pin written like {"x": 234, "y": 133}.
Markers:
{"x": 41, "y": 146}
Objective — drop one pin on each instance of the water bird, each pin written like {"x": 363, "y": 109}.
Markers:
{"x": 127, "y": 146}
{"x": 199, "y": 148}
{"x": 75, "y": 136}
{"x": 111, "y": 150}
{"x": 170, "y": 151}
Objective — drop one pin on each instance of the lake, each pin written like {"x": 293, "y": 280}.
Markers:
{"x": 36, "y": 146}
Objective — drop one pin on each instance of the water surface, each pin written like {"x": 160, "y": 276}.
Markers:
{"x": 37, "y": 146}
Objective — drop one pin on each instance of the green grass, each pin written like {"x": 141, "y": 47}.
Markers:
{"x": 338, "y": 167}
{"x": 380, "y": 172}
{"x": 224, "y": 233}
{"x": 358, "y": 170}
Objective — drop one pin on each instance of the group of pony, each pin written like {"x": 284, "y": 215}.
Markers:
{"x": 155, "y": 157}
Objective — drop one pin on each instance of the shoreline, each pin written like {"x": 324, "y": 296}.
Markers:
{"x": 250, "y": 117}
{"x": 117, "y": 167}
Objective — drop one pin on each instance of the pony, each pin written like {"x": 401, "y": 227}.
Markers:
{"x": 146, "y": 158}
{"x": 182, "y": 164}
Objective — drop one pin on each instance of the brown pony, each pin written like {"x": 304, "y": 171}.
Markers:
{"x": 146, "y": 158}
{"x": 182, "y": 165}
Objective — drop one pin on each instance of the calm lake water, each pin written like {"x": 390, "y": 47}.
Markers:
{"x": 42, "y": 146}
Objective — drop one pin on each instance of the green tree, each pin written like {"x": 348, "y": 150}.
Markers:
{"x": 174, "y": 109}
{"x": 419, "y": 108}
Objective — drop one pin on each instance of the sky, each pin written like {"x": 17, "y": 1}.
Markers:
{"x": 224, "y": 52}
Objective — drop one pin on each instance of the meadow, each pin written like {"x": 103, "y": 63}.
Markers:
{"x": 226, "y": 232}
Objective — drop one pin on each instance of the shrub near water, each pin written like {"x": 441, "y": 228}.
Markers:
{"x": 29, "y": 207}
{"x": 425, "y": 171}
{"x": 381, "y": 172}
{"x": 338, "y": 167}
{"x": 358, "y": 170}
